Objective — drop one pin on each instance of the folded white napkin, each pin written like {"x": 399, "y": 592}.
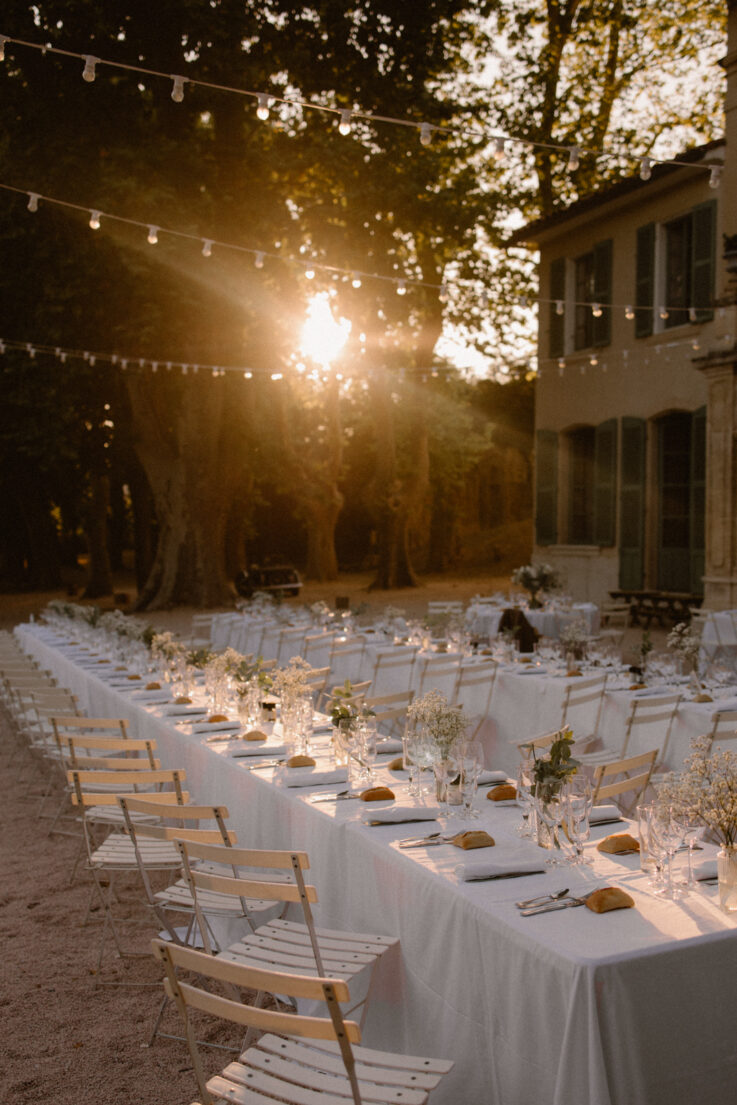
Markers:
{"x": 182, "y": 709}
{"x": 309, "y": 777}
{"x": 707, "y": 869}
{"x": 388, "y": 744}
{"x": 493, "y": 777}
{"x": 648, "y": 692}
{"x": 216, "y": 726}
{"x": 258, "y": 748}
{"x": 497, "y": 869}
{"x": 153, "y": 696}
{"x": 721, "y": 704}
{"x": 603, "y": 813}
{"x": 389, "y": 815}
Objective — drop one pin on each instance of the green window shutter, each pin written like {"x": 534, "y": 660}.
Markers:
{"x": 703, "y": 251}
{"x": 546, "y": 487}
{"x": 557, "y": 322}
{"x": 603, "y": 292}
{"x": 605, "y": 482}
{"x": 698, "y": 500}
{"x": 645, "y": 280}
{"x": 632, "y": 504}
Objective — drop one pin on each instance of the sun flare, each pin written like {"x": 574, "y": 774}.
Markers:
{"x": 322, "y": 337}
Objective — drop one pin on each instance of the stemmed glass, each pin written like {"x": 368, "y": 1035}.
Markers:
{"x": 667, "y": 832}
{"x": 525, "y": 798}
{"x": 446, "y": 769}
{"x": 577, "y": 802}
{"x": 693, "y": 828}
{"x": 470, "y": 764}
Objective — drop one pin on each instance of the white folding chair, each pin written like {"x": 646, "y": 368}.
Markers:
{"x": 645, "y": 712}
{"x": 316, "y": 649}
{"x": 291, "y": 642}
{"x": 297, "y": 1060}
{"x": 582, "y": 701}
{"x": 393, "y": 670}
{"x": 293, "y": 947}
{"x": 347, "y": 660}
{"x": 436, "y": 673}
{"x": 637, "y": 772}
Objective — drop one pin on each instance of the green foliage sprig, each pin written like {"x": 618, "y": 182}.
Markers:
{"x": 552, "y": 770}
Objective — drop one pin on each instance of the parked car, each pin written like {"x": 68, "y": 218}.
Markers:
{"x": 281, "y": 580}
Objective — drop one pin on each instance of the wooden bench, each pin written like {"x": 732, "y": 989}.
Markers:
{"x": 665, "y": 606}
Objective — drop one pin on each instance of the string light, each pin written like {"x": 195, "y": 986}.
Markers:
{"x": 499, "y": 149}
{"x": 629, "y": 314}
{"x": 207, "y": 247}
{"x": 692, "y": 317}
{"x": 596, "y": 310}
{"x": 33, "y": 199}
{"x": 355, "y": 280}
{"x": 574, "y": 159}
{"x": 715, "y": 176}
{"x": 262, "y": 111}
{"x": 259, "y": 260}
{"x": 559, "y": 307}
{"x": 664, "y": 313}
{"x": 94, "y": 220}
{"x": 425, "y": 134}
{"x": 401, "y": 287}
{"x": 277, "y": 375}
{"x": 646, "y": 168}
{"x": 153, "y": 235}
{"x": 593, "y": 360}
{"x": 177, "y": 92}
{"x": 443, "y": 294}
{"x": 3, "y": 40}
{"x": 344, "y": 126}
{"x": 310, "y": 274}
{"x": 88, "y": 73}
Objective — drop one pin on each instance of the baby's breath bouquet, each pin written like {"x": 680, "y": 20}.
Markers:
{"x": 165, "y": 646}
{"x": 685, "y": 644}
{"x": 706, "y": 788}
{"x": 574, "y": 638}
{"x": 291, "y": 682}
{"x": 445, "y": 724}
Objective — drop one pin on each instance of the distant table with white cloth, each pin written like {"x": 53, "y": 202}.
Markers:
{"x": 635, "y": 1007}
{"x": 483, "y": 619}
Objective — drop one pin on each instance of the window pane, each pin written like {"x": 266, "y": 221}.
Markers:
{"x": 678, "y": 270}
{"x": 581, "y": 486}
{"x": 584, "y": 332}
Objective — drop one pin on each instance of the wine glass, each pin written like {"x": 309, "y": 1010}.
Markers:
{"x": 446, "y": 768}
{"x": 525, "y": 799}
{"x": 667, "y": 832}
{"x": 693, "y": 828}
{"x": 549, "y": 807}
{"x": 471, "y": 764}
{"x": 577, "y": 801}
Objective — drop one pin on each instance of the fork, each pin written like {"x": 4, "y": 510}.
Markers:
{"x": 542, "y": 899}
{"x": 551, "y": 907}
{"x": 426, "y": 841}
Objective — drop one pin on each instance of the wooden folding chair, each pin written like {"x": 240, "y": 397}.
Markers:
{"x": 474, "y": 690}
{"x": 537, "y": 744}
{"x": 650, "y": 710}
{"x": 390, "y": 711}
{"x": 393, "y": 670}
{"x": 582, "y": 699}
{"x": 298, "y": 1060}
{"x": 436, "y": 673}
{"x": 116, "y": 855}
{"x": 723, "y": 726}
{"x": 637, "y": 772}
{"x": 292, "y": 947}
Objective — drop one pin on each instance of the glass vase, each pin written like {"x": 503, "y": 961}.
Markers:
{"x": 727, "y": 872}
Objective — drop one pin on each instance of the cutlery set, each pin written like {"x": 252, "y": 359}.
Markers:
{"x": 550, "y": 903}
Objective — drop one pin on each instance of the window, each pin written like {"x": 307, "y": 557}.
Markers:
{"x": 589, "y": 498}
{"x": 588, "y": 278}
{"x": 675, "y": 268}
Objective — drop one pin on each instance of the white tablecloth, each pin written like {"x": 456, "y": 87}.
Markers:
{"x": 630, "y": 1008}
{"x": 484, "y": 619}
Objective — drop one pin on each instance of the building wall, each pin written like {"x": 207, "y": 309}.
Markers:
{"x": 634, "y": 378}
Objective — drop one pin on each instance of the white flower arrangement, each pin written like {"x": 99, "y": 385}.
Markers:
{"x": 706, "y": 788}
{"x": 445, "y": 724}
{"x": 290, "y": 683}
{"x": 575, "y": 635}
{"x": 535, "y": 577}
{"x": 224, "y": 664}
{"x": 320, "y": 609}
{"x": 683, "y": 642}
{"x": 168, "y": 647}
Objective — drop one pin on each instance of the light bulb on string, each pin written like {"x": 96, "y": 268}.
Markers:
{"x": 247, "y": 375}
{"x": 574, "y": 159}
{"x": 344, "y": 126}
{"x": 92, "y": 361}
{"x": 499, "y": 149}
{"x": 259, "y": 260}
{"x": 94, "y": 220}
{"x": 309, "y": 274}
{"x": 692, "y": 317}
{"x": 401, "y": 287}
{"x": 593, "y": 360}
{"x": 177, "y": 92}
{"x": 3, "y": 40}
{"x": 154, "y": 366}
{"x": 31, "y": 352}
{"x": 185, "y": 369}
{"x": 596, "y": 310}
{"x": 715, "y": 176}
{"x": 484, "y": 300}
{"x": 559, "y": 307}
{"x": 663, "y": 313}
{"x": 88, "y": 73}
{"x": 207, "y": 247}
{"x": 262, "y": 111}
{"x": 629, "y": 313}
{"x": 355, "y": 280}
{"x": 277, "y": 376}
{"x": 63, "y": 358}
{"x": 695, "y": 345}
{"x": 425, "y": 134}
{"x": 153, "y": 235}
{"x": 443, "y": 293}
{"x": 646, "y": 168}
{"x": 561, "y": 365}
{"x": 33, "y": 198}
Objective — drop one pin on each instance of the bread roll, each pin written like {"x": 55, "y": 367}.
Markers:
{"x": 255, "y": 735}
{"x": 609, "y": 897}
{"x": 473, "y": 838}
{"x": 505, "y": 793}
{"x": 376, "y": 794}
{"x": 618, "y": 843}
{"x": 301, "y": 761}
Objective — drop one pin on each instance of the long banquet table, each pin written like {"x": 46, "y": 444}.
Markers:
{"x": 635, "y": 1007}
